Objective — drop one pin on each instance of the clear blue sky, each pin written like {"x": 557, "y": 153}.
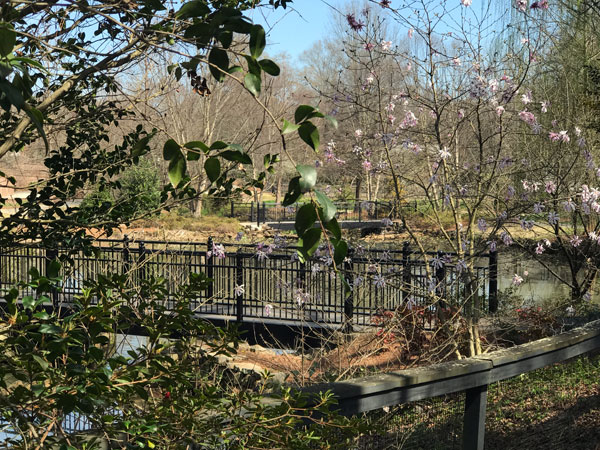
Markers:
{"x": 299, "y": 26}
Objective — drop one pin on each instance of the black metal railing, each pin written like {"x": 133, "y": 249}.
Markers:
{"x": 269, "y": 282}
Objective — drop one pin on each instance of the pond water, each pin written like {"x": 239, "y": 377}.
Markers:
{"x": 539, "y": 286}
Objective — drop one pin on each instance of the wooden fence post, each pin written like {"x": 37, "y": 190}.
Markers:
{"x": 239, "y": 281}
{"x": 209, "y": 260}
{"x": 493, "y": 282}
{"x": 474, "y": 418}
{"x": 251, "y": 218}
{"x": 232, "y": 209}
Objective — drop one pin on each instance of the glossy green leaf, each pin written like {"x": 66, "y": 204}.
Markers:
{"x": 303, "y": 112}
{"x": 48, "y": 328}
{"x": 327, "y": 205}
{"x": 310, "y": 241}
{"x": 225, "y": 38}
{"x": 191, "y": 9}
{"x": 8, "y": 38}
{"x": 241, "y": 157}
{"x": 252, "y": 83}
{"x": 334, "y": 228}
{"x": 308, "y": 177}
{"x": 28, "y": 302}
{"x": 37, "y": 118}
{"x": 332, "y": 120}
{"x": 288, "y": 127}
{"x": 309, "y": 134}
{"x": 305, "y": 218}
{"x": 257, "y": 41}
{"x": 177, "y": 169}
{"x": 270, "y": 67}
{"x": 340, "y": 251}
{"x": 140, "y": 146}
{"x": 219, "y": 63}
{"x": 293, "y": 192}
{"x": 170, "y": 150}
{"x": 219, "y": 145}
{"x": 13, "y": 94}
{"x": 212, "y": 166}
{"x": 53, "y": 269}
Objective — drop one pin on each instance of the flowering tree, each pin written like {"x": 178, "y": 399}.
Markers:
{"x": 457, "y": 114}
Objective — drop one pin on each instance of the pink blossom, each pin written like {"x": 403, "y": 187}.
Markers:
{"x": 575, "y": 241}
{"x": 545, "y": 106}
{"x": 526, "y": 98}
{"x": 358, "y": 133}
{"x": 499, "y": 110}
{"x": 408, "y": 66}
{"x": 411, "y": 31}
{"x": 564, "y": 136}
{"x": 391, "y": 119}
{"x": 550, "y": 187}
{"x": 539, "y": 249}
{"x": 456, "y": 61}
{"x": 444, "y": 153}
{"x": 268, "y": 309}
{"x": 461, "y": 114}
{"x": 409, "y": 120}
{"x": 554, "y": 137}
{"x": 367, "y": 165}
{"x": 386, "y": 45}
{"x": 522, "y": 5}
{"x": 368, "y": 47}
{"x": 542, "y": 4}
{"x": 466, "y": 2}
{"x": 517, "y": 280}
{"x": 527, "y": 117}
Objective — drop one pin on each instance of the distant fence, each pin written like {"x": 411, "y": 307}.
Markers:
{"x": 353, "y": 210}
{"x": 266, "y": 282}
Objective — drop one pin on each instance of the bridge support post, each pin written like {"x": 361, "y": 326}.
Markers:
{"x": 348, "y": 296}
{"x": 239, "y": 281}
{"x": 209, "y": 260}
{"x": 493, "y": 282}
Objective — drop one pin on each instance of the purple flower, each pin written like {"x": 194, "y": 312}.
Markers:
{"x": 575, "y": 241}
{"x": 492, "y": 245}
{"x": 482, "y": 225}
{"x": 354, "y": 24}
{"x": 538, "y": 208}
{"x": 506, "y": 238}
{"x": 379, "y": 281}
{"x": 552, "y": 218}
{"x": 517, "y": 280}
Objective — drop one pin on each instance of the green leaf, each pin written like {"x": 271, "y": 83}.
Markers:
{"x": 177, "y": 168}
{"x": 308, "y": 177}
{"x": 332, "y": 120}
{"x": 219, "y": 63}
{"x": 219, "y": 145}
{"x": 340, "y": 251}
{"x": 257, "y": 41}
{"x": 334, "y": 228}
{"x": 225, "y": 37}
{"x": 212, "y": 166}
{"x": 42, "y": 362}
{"x": 8, "y": 38}
{"x": 288, "y": 127}
{"x": 13, "y": 94}
{"x": 303, "y": 112}
{"x": 252, "y": 83}
{"x": 171, "y": 150}
{"x": 53, "y": 269}
{"x": 140, "y": 146}
{"x": 329, "y": 208}
{"x": 238, "y": 156}
{"x": 309, "y": 134}
{"x": 270, "y": 67}
{"x": 194, "y": 154}
{"x": 310, "y": 241}
{"x": 48, "y": 328}
{"x": 305, "y": 218}
{"x": 37, "y": 118}
{"x": 195, "y": 8}
{"x": 28, "y": 302}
